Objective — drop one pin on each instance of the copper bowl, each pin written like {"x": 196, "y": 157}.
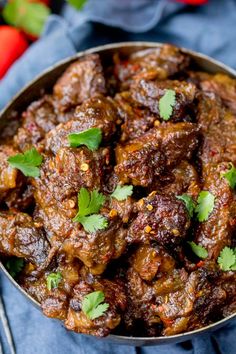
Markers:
{"x": 44, "y": 82}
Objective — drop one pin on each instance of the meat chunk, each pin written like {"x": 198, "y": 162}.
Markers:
{"x": 175, "y": 302}
{"x": 39, "y": 118}
{"x": 23, "y": 238}
{"x": 190, "y": 304}
{"x": 81, "y": 80}
{"x": 183, "y": 179}
{"x": 20, "y": 198}
{"x": 218, "y": 127}
{"x": 161, "y": 218}
{"x": 62, "y": 177}
{"x": 141, "y": 160}
{"x": 114, "y": 295}
{"x": 123, "y": 208}
{"x": 148, "y": 93}
{"x": 14, "y": 192}
{"x": 99, "y": 112}
{"x": 149, "y": 261}
{"x": 97, "y": 249}
{"x": 159, "y": 63}
{"x": 8, "y": 175}
{"x": 72, "y": 168}
{"x": 220, "y": 84}
{"x": 136, "y": 119}
{"x": 216, "y": 233}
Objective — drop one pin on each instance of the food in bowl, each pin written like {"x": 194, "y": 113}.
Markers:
{"x": 117, "y": 190}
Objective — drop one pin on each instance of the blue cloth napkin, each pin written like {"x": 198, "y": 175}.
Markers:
{"x": 209, "y": 29}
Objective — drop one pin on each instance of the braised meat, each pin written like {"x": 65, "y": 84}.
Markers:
{"x": 117, "y": 195}
{"x": 148, "y": 92}
{"x": 115, "y": 297}
{"x": 23, "y": 238}
{"x": 135, "y": 119}
{"x": 220, "y": 84}
{"x": 97, "y": 112}
{"x": 159, "y": 63}
{"x": 218, "y": 230}
{"x": 216, "y": 122}
{"x": 82, "y": 80}
{"x": 37, "y": 120}
{"x": 141, "y": 160}
{"x": 161, "y": 218}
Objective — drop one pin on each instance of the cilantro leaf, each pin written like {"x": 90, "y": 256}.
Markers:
{"x": 78, "y": 4}
{"x": 90, "y": 204}
{"x": 93, "y": 306}
{"x": 122, "y": 192}
{"x": 200, "y": 251}
{"x": 27, "y": 162}
{"x": 205, "y": 205}
{"x": 14, "y": 266}
{"x": 227, "y": 259}
{"x": 26, "y": 15}
{"x": 93, "y": 223}
{"x": 230, "y": 175}
{"x": 91, "y": 138}
{"x": 53, "y": 280}
{"x": 189, "y": 203}
{"x": 166, "y": 104}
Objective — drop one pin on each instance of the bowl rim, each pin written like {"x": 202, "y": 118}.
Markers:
{"x": 121, "y": 339}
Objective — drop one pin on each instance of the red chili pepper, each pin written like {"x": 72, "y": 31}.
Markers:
{"x": 46, "y": 2}
{"x": 193, "y": 2}
{"x": 200, "y": 264}
{"x": 12, "y": 46}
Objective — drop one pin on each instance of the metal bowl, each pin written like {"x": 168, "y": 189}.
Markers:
{"x": 44, "y": 82}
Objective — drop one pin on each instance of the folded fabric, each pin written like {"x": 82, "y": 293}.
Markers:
{"x": 208, "y": 29}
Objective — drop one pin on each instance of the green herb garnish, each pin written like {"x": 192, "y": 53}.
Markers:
{"x": 91, "y": 138}
{"x": 93, "y": 305}
{"x": 77, "y": 4}
{"x": 189, "y": 203}
{"x": 53, "y": 280}
{"x": 90, "y": 204}
{"x": 122, "y": 192}
{"x": 93, "y": 223}
{"x": 28, "y": 162}
{"x": 227, "y": 259}
{"x": 200, "y": 251}
{"x": 205, "y": 205}
{"x": 27, "y": 15}
{"x": 230, "y": 175}
{"x": 166, "y": 104}
{"x": 14, "y": 266}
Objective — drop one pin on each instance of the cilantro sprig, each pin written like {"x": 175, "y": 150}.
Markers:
{"x": 14, "y": 266}
{"x": 205, "y": 205}
{"x": 203, "y": 208}
{"x": 227, "y": 259}
{"x": 93, "y": 305}
{"x": 188, "y": 202}
{"x": 166, "y": 104}
{"x": 90, "y": 204}
{"x": 28, "y": 162}
{"x": 230, "y": 176}
{"x": 200, "y": 251}
{"x": 91, "y": 138}
{"x": 122, "y": 192}
{"x": 53, "y": 280}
